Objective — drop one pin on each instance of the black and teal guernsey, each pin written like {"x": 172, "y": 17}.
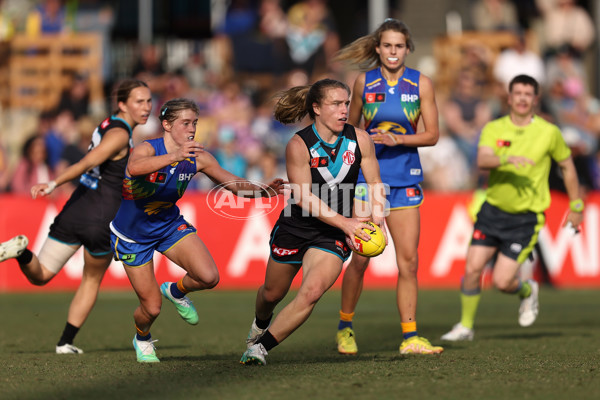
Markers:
{"x": 85, "y": 217}
{"x": 334, "y": 171}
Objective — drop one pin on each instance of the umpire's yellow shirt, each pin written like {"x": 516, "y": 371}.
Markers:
{"x": 526, "y": 188}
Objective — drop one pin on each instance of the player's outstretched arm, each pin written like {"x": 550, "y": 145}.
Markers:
{"x": 208, "y": 165}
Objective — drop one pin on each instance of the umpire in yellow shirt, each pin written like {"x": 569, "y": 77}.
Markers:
{"x": 517, "y": 149}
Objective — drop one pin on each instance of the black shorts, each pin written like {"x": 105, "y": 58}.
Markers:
{"x": 514, "y": 235}
{"x": 85, "y": 219}
{"x": 289, "y": 248}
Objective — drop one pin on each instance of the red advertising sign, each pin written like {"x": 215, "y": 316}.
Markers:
{"x": 238, "y": 239}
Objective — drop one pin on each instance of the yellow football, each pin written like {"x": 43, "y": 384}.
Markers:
{"x": 373, "y": 247}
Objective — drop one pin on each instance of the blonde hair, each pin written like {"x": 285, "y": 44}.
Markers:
{"x": 361, "y": 53}
{"x": 293, "y": 104}
{"x": 170, "y": 110}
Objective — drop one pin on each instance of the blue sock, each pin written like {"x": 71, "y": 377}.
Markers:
{"x": 175, "y": 292}
{"x": 143, "y": 338}
{"x": 409, "y": 334}
{"x": 344, "y": 324}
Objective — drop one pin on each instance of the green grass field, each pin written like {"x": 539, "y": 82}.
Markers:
{"x": 557, "y": 358}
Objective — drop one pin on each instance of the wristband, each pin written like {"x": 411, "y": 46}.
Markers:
{"x": 503, "y": 159}
{"x": 576, "y": 205}
{"x": 50, "y": 188}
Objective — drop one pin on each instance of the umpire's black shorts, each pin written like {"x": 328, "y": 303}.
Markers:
{"x": 514, "y": 235}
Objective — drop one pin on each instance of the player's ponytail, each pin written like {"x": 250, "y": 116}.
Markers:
{"x": 362, "y": 55}
{"x": 295, "y": 103}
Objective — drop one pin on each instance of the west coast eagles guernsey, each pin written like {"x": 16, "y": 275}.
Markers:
{"x": 394, "y": 107}
{"x": 526, "y": 188}
{"x": 148, "y": 205}
{"x": 334, "y": 170}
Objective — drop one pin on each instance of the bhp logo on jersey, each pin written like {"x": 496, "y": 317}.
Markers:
{"x": 223, "y": 202}
{"x": 283, "y": 252}
{"x": 185, "y": 177}
{"x": 409, "y": 98}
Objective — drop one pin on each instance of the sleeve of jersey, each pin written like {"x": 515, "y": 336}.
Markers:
{"x": 559, "y": 150}
{"x": 486, "y": 139}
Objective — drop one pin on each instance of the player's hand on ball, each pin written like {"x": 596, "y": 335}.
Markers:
{"x": 376, "y": 243}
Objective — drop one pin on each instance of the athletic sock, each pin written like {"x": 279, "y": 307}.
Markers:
{"x": 524, "y": 290}
{"x": 178, "y": 290}
{"x": 345, "y": 320}
{"x": 25, "y": 257}
{"x": 141, "y": 335}
{"x": 469, "y": 300}
{"x": 263, "y": 323}
{"x": 68, "y": 334}
{"x": 409, "y": 329}
{"x": 268, "y": 341}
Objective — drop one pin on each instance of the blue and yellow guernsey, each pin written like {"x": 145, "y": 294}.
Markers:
{"x": 394, "y": 107}
{"x": 148, "y": 205}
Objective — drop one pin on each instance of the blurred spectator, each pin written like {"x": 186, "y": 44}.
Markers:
{"x": 312, "y": 36}
{"x": 75, "y": 149}
{"x": 53, "y": 138}
{"x": 578, "y": 116}
{"x": 7, "y": 23}
{"x": 477, "y": 58}
{"x": 98, "y": 16}
{"x": 76, "y": 98}
{"x": 465, "y": 113}
{"x": 494, "y": 15}
{"x": 227, "y": 154}
{"x": 232, "y": 108}
{"x": 565, "y": 23}
{"x": 257, "y": 43}
{"x": 518, "y": 60}
{"x": 240, "y": 18}
{"x": 32, "y": 167}
{"x": 150, "y": 69}
{"x": 48, "y": 17}
{"x": 176, "y": 86}
{"x": 444, "y": 167}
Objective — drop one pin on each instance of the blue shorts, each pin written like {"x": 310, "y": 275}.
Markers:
{"x": 397, "y": 198}
{"x": 134, "y": 254}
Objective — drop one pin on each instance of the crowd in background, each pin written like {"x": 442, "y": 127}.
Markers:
{"x": 263, "y": 46}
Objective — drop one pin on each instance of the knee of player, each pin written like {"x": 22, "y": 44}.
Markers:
{"x": 408, "y": 266}
{"x": 502, "y": 283}
{"x": 272, "y": 294}
{"x": 153, "y": 307}
{"x": 311, "y": 294}
{"x": 358, "y": 264}
{"x": 38, "y": 282}
{"x": 212, "y": 281}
